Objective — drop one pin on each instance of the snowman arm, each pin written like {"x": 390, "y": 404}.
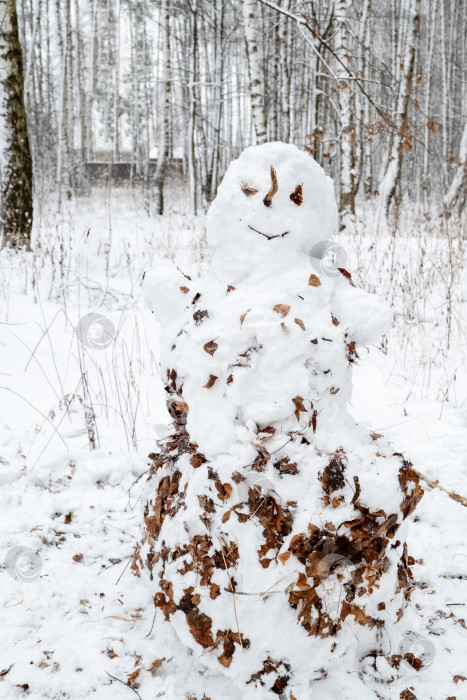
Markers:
{"x": 366, "y": 317}
{"x": 167, "y": 291}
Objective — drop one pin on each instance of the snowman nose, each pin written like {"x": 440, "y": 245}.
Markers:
{"x": 273, "y": 189}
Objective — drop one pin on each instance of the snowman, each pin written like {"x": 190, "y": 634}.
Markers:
{"x": 272, "y": 528}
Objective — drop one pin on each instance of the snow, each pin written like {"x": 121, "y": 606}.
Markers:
{"x": 78, "y": 621}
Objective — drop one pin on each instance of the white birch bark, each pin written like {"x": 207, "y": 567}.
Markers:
{"x": 250, "y": 9}
{"x": 392, "y": 175}
{"x": 456, "y": 194}
{"x": 344, "y": 93}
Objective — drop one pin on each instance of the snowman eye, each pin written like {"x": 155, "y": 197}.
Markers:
{"x": 297, "y": 195}
{"x": 247, "y": 190}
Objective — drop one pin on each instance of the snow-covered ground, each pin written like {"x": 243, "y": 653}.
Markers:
{"x": 75, "y": 621}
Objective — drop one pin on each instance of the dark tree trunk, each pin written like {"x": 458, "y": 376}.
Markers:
{"x": 16, "y": 163}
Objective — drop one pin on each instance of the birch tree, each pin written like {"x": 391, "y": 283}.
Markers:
{"x": 400, "y": 124}
{"x": 15, "y": 156}
{"x": 344, "y": 96}
{"x": 250, "y": 10}
{"x": 456, "y": 195}
{"x": 164, "y": 112}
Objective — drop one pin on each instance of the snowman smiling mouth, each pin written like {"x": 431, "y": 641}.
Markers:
{"x": 266, "y": 235}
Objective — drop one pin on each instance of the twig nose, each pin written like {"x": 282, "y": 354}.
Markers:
{"x": 273, "y": 189}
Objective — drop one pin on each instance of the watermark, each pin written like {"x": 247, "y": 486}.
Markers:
{"x": 255, "y": 481}
{"x": 332, "y": 564}
{"x": 421, "y": 647}
{"x": 96, "y": 331}
{"x": 23, "y": 564}
{"x": 327, "y": 257}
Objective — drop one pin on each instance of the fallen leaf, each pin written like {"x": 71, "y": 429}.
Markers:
{"x": 314, "y": 281}
{"x": 313, "y": 420}
{"x": 297, "y": 195}
{"x": 299, "y": 407}
{"x": 155, "y": 666}
{"x": 197, "y": 460}
{"x": 243, "y": 316}
{"x": 211, "y": 381}
{"x": 211, "y": 347}
{"x": 224, "y": 490}
{"x": 375, "y": 436}
{"x": 185, "y": 290}
{"x": 181, "y": 406}
{"x": 247, "y": 190}
{"x": 407, "y": 695}
{"x": 200, "y": 315}
{"x": 344, "y": 272}
{"x": 282, "y": 309}
{"x": 131, "y": 679}
{"x": 78, "y": 557}
{"x": 300, "y": 323}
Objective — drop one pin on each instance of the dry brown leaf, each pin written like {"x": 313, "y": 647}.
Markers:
{"x": 197, "y": 460}
{"x": 283, "y": 557}
{"x": 155, "y": 666}
{"x": 211, "y": 381}
{"x": 282, "y": 309}
{"x": 181, "y": 406}
{"x": 314, "y": 281}
{"x": 243, "y": 316}
{"x": 407, "y": 695}
{"x": 247, "y": 190}
{"x": 132, "y": 679}
{"x": 214, "y": 591}
{"x": 375, "y": 436}
{"x": 185, "y": 290}
{"x": 224, "y": 490}
{"x": 300, "y": 323}
{"x": 297, "y": 195}
{"x": 299, "y": 407}
{"x": 211, "y": 347}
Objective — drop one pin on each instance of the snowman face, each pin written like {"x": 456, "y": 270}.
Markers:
{"x": 273, "y": 196}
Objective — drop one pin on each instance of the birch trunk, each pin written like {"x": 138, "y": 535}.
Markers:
{"x": 163, "y": 117}
{"x": 347, "y": 195}
{"x": 392, "y": 176}
{"x": 250, "y": 7}
{"x": 457, "y": 192}
{"x": 15, "y": 156}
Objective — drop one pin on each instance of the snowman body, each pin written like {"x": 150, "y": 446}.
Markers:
{"x": 272, "y": 527}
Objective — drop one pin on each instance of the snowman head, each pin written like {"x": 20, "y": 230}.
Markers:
{"x": 273, "y": 200}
